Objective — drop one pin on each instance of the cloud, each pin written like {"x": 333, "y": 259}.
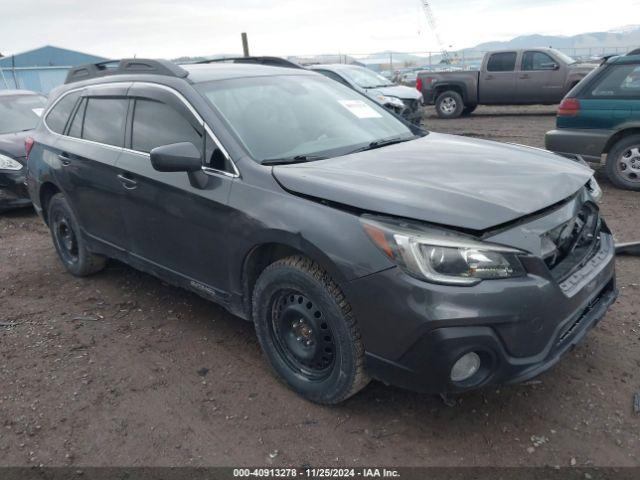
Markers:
{"x": 169, "y": 29}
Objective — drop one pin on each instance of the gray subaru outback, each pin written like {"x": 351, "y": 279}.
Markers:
{"x": 358, "y": 244}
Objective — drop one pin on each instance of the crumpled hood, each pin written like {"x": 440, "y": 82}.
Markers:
{"x": 12, "y": 144}
{"x": 443, "y": 179}
{"x": 400, "y": 91}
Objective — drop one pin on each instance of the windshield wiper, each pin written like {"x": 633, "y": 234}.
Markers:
{"x": 288, "y": 160}
{"x": 382, "y": 143}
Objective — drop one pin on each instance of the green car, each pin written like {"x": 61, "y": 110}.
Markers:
{"x": 599, "y": 120}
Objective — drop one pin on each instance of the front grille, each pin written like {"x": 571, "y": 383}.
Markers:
{"x": 412, "y": 105}
{"x": 569, "y": 329}
{"x": 570, "y": 245}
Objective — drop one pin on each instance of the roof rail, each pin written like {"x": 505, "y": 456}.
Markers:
{"x": 270, "y": 61}
{"x": 123, "y": 67}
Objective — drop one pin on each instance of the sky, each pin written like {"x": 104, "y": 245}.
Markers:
{"x": 173, "y": 28}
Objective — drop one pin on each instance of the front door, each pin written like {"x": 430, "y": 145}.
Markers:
{"x": 175, "y": 224}
{"x": 541, "y": 78}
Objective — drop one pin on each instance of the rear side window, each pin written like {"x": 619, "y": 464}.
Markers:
{"x": 620, "y": 81}
{"x": 156, "y": 124}
{"x": 57, "y": 118}
{"x": 502, "y": 62}
{"x": 104, "y": 120}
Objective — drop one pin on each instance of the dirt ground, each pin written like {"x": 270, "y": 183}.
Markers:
{"x": 121, "y": 369}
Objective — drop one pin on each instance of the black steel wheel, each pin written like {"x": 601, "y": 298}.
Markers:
{"x": 302, "y": 336}
{"x": 68, "y": 241}
{"x": 308, "y": 332}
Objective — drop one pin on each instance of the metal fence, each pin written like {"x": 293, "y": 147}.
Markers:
{"x": 38, "y": 79}
{"x": 459, "y": 60}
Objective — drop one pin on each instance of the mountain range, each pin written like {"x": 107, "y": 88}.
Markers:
{"x": 627, "y": 36}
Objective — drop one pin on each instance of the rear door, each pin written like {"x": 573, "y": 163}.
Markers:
{"x": 88, "y": 151}
{"x": 498, "y": 79}
{"x": 173, "y": 221}
{"x": 541, "y": 78}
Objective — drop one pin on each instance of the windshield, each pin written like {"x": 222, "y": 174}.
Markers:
{"x": 287, "y": 116}
{"x": 20, "y": 112}
{"x": 564, "y": 57}
{"x": 365, "y": 78}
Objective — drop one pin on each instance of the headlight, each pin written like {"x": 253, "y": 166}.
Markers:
{"x": 440, "y": 256}
{"x": 384, "y": 100}
{"x": 594, "y": 189}
{"x": 8, "y": 163}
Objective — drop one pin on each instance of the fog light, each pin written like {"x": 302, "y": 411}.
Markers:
{"x": 466, "y": 367}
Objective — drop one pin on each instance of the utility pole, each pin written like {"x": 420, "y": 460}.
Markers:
{"x": 245, "y": 44}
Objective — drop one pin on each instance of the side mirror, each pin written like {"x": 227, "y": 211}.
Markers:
{"x": 176, "y": 157}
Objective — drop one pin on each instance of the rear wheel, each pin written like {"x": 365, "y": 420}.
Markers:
{"x": 449, "y": 104}
{"x": 308, "y": 332}
{"x": 623, "y": 163}
{"x": 69, "y": 243}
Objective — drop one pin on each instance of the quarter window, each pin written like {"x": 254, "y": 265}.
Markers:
{"x": 156, "y": 124}
{"x": 57, "y": 118}
{"x": 75, "y": 129}
{"x": 502, "y": 62}
{"x": 537, "y": 61}
{"x": 104, "y": 120}
{"x": 620, "y": 81}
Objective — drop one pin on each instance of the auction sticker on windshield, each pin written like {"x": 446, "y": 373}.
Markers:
{"x": 360, "y": 109}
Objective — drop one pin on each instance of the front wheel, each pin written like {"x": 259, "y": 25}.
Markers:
{"x": 68, "y": 241}
{"x": 307, "y": 331}
{"x": 623, "y": 163}
{"x": 449, "y": 104}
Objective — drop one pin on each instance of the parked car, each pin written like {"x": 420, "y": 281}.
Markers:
{"x": 20, "y": 112}
{"x": 599, "y": 121}
{"x": 360, "y": 246}
{"x": 510, "y": 77}
{"x": 403, "y": 101}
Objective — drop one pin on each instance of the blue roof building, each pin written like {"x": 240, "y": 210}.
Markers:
{"x": 41, "y": 69}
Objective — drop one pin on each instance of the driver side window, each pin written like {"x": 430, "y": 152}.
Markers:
{"x": 532, "y": 61}
{"x": 156, "y": 124}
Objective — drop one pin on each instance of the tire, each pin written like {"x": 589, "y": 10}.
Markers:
{"x": 469, "y": 109}
{"x": 449, "y": 104}
{"x": 68, "y": 242}
{"x": 623, "y": 163}
{"x": 307, "y": 331}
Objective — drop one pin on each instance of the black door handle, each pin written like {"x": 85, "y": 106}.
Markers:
{"x": 66, "y": 161}
{"x": 127, "y": 182}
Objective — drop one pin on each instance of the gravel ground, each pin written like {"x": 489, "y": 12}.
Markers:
{"x": 121, "y": 369}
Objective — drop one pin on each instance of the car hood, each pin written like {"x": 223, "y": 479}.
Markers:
{"x": 12, "y": 144}
{"x": 444, "y": 179}
{"x": 400, "y": 91}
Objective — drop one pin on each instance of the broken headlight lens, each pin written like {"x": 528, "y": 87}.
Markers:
{"x": 441, "y": 256}
{"x": 393, "y": 101}
{"x": 8, "y": 163}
